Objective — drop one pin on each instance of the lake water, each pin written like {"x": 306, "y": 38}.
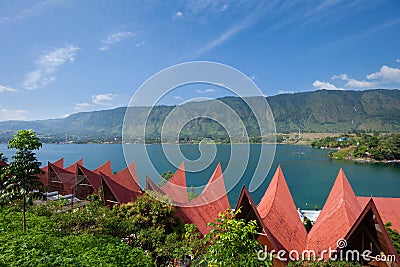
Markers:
{"x": 309, "y": 172}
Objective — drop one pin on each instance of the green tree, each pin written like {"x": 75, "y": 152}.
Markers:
{"x": 19, "y": 179}
{"x": 165, "y": 176}
{"x": 394, "y": 236}
{"x": 232, "y": 242}
{"x": 153, "y": 226}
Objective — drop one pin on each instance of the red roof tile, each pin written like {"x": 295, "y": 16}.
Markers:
{"x": 67, "y": 178}
{"x": 370, "y": 221}
{"x": 128, "y": 178}
{"x": 248, "y": 212}
{"x": 278, "y": 213}
{"x": 93, "y": 178}
{"x": 59, "y": 163}
{"x": 105, "y": 168}
{"x": 206, "y": 207}
{"x": 175, "y": 188}
{"x": 124, "y": 184}
{"x": 338, "y": 215}
{"x": 74, "y": 167}
{"x": 121, "y": 193}
{"x": 388, "y": 208}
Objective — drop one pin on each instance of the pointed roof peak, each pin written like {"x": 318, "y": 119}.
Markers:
{"x": 182, "y": 166}
{"x": 279, "y": 213}
{"x": 127, "y": 177}
{"x": 104, "y": 168}
{"x": 340, "y": 211}
{"x": 217, "y": 174}
{"x": 214, "y": 189}
{"x": 74, "y": 166}
{"x": 150, "y": 185}
{"x": 175, "y": 187}
{"x": 59, "y": 163}
{"x": 277, "y": 186}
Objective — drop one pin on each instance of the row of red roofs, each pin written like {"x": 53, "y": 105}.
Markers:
{"x": 358, "y": 220}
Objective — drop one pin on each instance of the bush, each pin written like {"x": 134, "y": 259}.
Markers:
{"x": 41, "y": 245}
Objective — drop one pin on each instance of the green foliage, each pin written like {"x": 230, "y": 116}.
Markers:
{"x": 394, "y": 236}
{"x": 232, "y": 242}
{"x": 25, "y": 140}
{"x": 19, "y": 179}
{"x": 191, "y": 194}
{"x": 165, "y": 177}
{"x": 41, "y": 245}
{"x": 153, "y": 226}
{"x": 361, "y": 145}
{"x": 191, "y": 243}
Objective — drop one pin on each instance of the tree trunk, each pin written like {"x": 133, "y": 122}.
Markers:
{"x": 23, "y": 215}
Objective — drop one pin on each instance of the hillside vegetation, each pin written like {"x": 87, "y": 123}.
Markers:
{"x": 318, "y": 111}
{"x": 362, "y": 146}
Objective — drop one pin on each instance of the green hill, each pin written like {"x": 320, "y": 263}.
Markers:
{"x": 318, "y": 111}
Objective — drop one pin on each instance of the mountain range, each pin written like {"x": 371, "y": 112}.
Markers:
{"x": 316, "y": 111}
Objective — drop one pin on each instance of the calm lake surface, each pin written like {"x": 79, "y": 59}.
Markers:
{"x": 309, "y": 172}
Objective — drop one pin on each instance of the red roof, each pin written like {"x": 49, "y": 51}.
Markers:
{"x": 121, "y": 193}
{"x": 248, "y": 212}
{"x": 105, "y": 168}
{"x": 338, "y": 215}
{"x": 128, "y": 178}
{"x": 371, "y": 220}
{"x": 93, "y": 178}
{"x": 150, "y": 185}
{"x": 3, "y": 164}
{"x": 206, "y": 207}
{"x": 176, "y": 188}
{"x": 388, "y": 208}
{"x": 74, "y": 167}
{"x": 59, "y": 163}
{"x": 67, "y": 178}
{"x": 124, "y": 184}
{"x": 279, "y": 214}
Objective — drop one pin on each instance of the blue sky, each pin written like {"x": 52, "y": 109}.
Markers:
{"x": 62, "y": 57}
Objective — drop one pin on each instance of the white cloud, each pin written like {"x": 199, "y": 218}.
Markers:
{"x": 178, "y": 14}
{"x": 80, "y": 106}
{"x": 398, "y": 60}
{"x": 229, "y": 33}
{"x": 7, "y": 89}
{"x": 324, "y": 85}
{"x": 30, "y": 11}
{"x": 386, "y": 74}
{"x": 47, "y": 66}
{"x": 206, "y": 91}
{"x": 65, "y": 115}
{"x": 353, "y": 83}
{"x": 115, "y": 38}
{"x": 285, "y": 92}
{"x": 103, "y": 99}
{"x": 9, "y": 114}
{"x": 178, "y": 97}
